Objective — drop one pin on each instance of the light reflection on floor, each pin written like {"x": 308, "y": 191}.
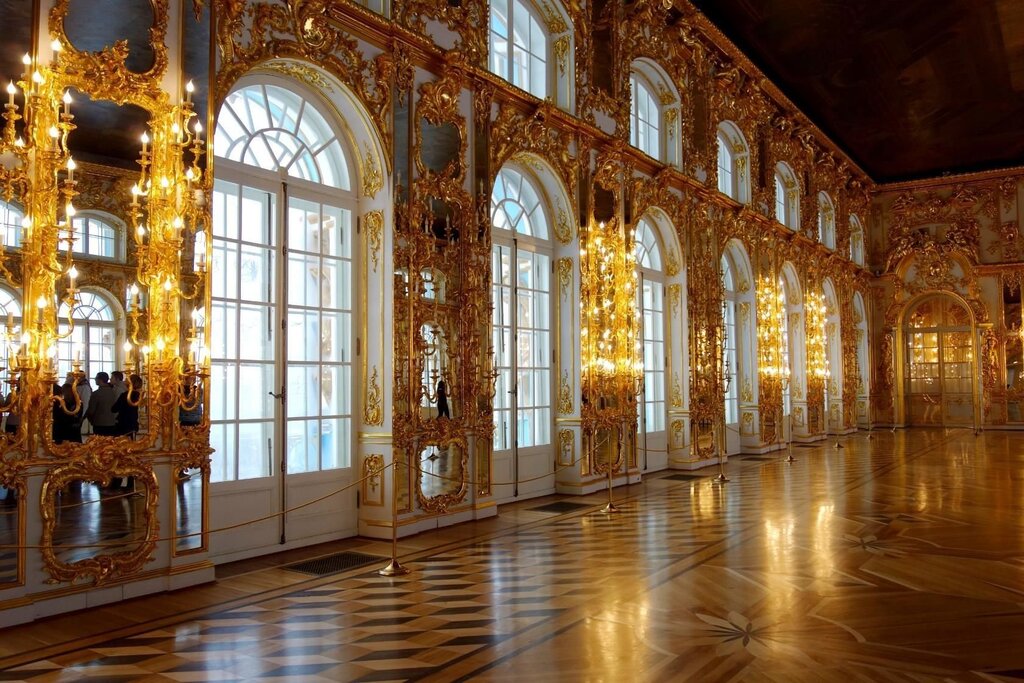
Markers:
{"x": 899, "y": 558}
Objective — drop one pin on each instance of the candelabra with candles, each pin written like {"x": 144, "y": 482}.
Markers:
{"x": 817, "y": 353}
{"x": 772, "y": 338}
{"x": 36, "y": 167}
{"x": 612, "y": 368}
{"x": 168, "y": 205}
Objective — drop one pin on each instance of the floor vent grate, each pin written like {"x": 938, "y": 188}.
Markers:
{"x": 685, "y": 477}
{"x": 561, "y": 507}
{"x": 332, "y": 564}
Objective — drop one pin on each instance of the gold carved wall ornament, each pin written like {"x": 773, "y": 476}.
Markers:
{"x": 747, "y": 393}
{"x": 747, "y": 423}
{"x": 373, "y": 410}
{"x": 566, "y": 447}
{"x": 373, "y": 483}
{"x": 677, "y": 391}
{"x": 565, "y": 268}
{"x": 563, "y": 228}
{"x": 565, "y": 394}
{"x": 372, "y": 177}
{"x": 374, "y": 225}
{"x": 677, "y": 434}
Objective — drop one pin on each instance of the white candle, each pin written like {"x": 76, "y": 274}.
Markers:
{"x": 10, "y": 93}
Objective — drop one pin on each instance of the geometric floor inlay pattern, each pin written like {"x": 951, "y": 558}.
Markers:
{"x": 899, "y": 558}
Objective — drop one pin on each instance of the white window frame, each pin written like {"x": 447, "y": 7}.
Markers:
{"x": 733, "y": 162}
{"x": 731, "y": 349}
{"x": 644, "y": 117}
{"x": 84, "y": 239}
{"x": 826, "y": 221}
{"x": 651, "y": 301}
{"x": 522, "y": 241}
{"x": 283, "y": 188}
{"x": 787, "y": 196}
{"x": 538, "y": 50}
{"x": 90, "y": 320}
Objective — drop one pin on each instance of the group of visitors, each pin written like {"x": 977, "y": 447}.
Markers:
{"x": 111, "y": 409}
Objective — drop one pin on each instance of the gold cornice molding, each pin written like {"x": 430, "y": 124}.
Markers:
{"x": 1015, "y": 172}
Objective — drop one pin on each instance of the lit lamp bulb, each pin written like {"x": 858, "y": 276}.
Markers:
{"x": 67, "y": 101}
{"x": 72, "y": 274}
{"x": 189, "y": 89}
{"x": 11, "y": 90}
{"x": 71, "y": 169}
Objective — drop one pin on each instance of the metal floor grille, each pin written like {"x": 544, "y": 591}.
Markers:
{"x": 757, "y": 458}
{"x": 561, "y": 507}
{"x": 684, "y": 477}
{"x": 332, "y": 564}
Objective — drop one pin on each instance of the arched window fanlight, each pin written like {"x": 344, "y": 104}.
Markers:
{"x": 94, "y": 338}
{"x": 856, "y": 241}
{"x": 271, "y": 128}
{"x": 95, "y": 236}
{"x": 516, "y": 206}
{"x": 648, "y": 254}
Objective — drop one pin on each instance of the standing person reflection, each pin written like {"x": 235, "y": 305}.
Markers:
{"x": 442, "y": 400}
{"x": 101, "y": 407}
{"x": 127, "y": 408}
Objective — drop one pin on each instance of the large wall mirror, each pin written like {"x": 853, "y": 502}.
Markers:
{"x": 104, "y": 327}
{"x": 1012, "y": 324}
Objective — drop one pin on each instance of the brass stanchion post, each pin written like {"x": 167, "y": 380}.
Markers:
{"x": 610, "y": 508}
{"x": 394, "y": 567}
{"x": 721, "y": 478}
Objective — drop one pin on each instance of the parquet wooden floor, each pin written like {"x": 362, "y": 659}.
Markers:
{"x": 899, "y": 558}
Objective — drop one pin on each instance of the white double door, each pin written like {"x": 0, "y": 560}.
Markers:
{"x": 282, "y": 371}
{"x": 523, "y": 460}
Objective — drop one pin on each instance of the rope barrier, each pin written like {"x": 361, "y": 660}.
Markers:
{"x": 274, "y": 515}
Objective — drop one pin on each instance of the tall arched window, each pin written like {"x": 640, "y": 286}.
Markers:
{"x": 733, "y": 162}
{"x": 521, "y": 269}
{"x": 282, "y": 286}
{"x": 644, "y": 117}
{"x": 826, "y": 220}
{"x": 856, "y": 240}
{"x": 652, "y": 306}
{"x": 11, "y": 217}
{"x": 96, "y": 235}
{"x": 654, "y": 112}
{"x": 787, "y": 196}
{"x": 860, "y": 320}
{"x": 731, "y": 357}
{"x": 94, "y": 338}
{"x": 519, "y": 46}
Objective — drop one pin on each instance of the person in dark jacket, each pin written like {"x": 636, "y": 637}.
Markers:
{"x": 127, "y": 408}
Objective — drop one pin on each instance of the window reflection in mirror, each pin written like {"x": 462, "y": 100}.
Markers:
{"x": 189, "y": 511}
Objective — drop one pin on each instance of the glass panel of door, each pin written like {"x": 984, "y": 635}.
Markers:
{"x": 940, "y": 376}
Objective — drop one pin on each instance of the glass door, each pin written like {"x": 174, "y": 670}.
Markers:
{"x": 940, "y": 372}
{"x": 281, "y": 393}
